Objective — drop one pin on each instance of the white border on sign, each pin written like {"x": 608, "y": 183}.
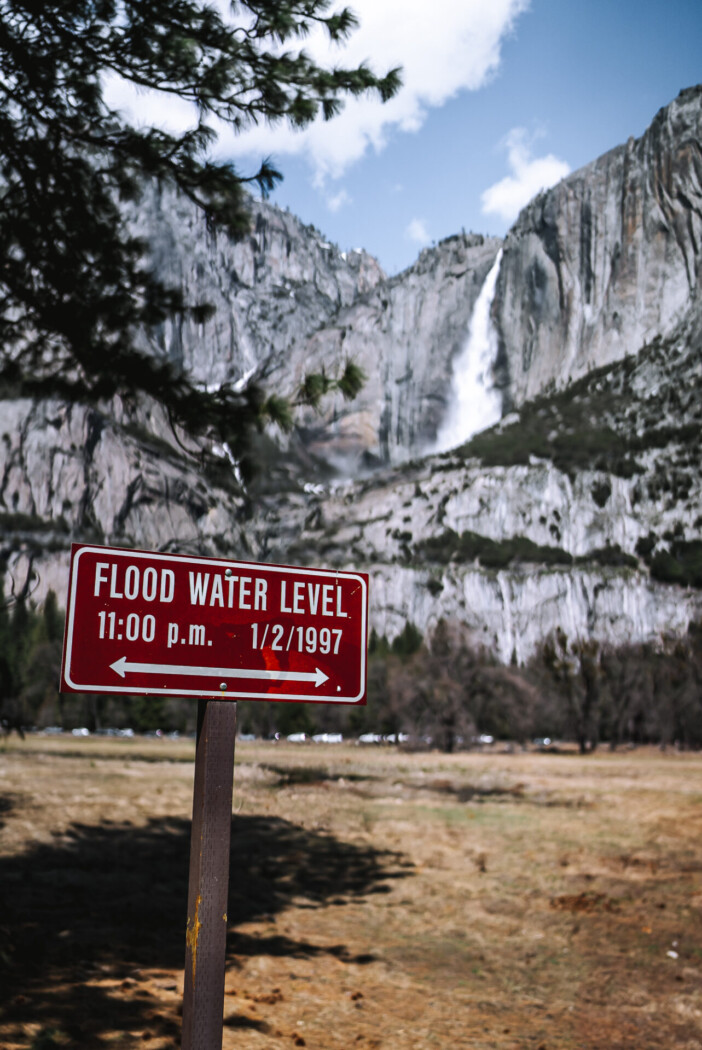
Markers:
{"x": 187, "y": 559}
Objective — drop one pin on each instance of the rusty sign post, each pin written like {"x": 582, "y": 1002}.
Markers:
{"x": 157, "y": 624}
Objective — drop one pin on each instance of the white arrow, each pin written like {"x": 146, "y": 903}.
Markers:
{"x": 122, "y": 666}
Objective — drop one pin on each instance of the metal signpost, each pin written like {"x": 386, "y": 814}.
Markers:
{"x": 175, "y": 625}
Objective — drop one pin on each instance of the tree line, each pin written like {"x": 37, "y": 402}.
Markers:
{"x": 441, "y": 691}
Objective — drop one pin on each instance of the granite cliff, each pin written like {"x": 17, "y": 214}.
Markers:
{"x": 605, "y": 261}
{"x": 287, "y": 302}
{"x": 582, "y": 509}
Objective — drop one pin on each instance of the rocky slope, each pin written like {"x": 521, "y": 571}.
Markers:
{"x": 582, "y": 512}
{"x": 73, "y": 472}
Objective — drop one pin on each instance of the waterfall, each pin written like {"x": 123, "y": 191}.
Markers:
{"x": 475, "y": 404}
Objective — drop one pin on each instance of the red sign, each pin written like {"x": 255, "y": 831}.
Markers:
{"x": 175, "y": 625}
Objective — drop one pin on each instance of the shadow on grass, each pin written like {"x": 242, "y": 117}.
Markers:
{"x": 111, "y": 900}
{"x": 6, "y": 806}
{"x": 308, "y": 775}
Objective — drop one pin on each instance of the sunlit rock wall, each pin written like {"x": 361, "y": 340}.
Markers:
{"x": 606, "y": 260}
{"x": 287, "y": 302}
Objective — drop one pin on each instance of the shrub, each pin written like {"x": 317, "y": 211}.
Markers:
{"x": 611, "y": 555}
{"x": 682, "y": 564}
{"x": 667, "y": 569}
{"x": 491, "y": 554}
{"x": 408, "y": 641}
{"x": 601, "y": 493}
{"x": 645, "y": 545}
{"x": 19, "y": 522}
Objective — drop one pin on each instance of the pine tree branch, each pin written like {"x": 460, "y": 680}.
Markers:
{"x": 75, "y": 288}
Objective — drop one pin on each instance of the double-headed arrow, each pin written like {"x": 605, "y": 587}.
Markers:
{"x": 123, "y": 666}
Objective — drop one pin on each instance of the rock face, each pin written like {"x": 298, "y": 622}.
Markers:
{"x": 288, "y": 302}
{"x": 582, "y": 510}
{"x": 270, "y": 291}
{"x": 606, "y": 260}
{"x": 562, "y": 517}
{"x": 404, "y": 335}
{"x": 71, "y": 472}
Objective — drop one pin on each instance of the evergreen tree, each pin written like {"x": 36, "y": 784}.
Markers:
{"x": 74, "y": 286}
{"x": 41, "y": 662}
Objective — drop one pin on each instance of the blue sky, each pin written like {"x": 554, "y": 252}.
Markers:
{"x": 577, "y": 76}
{"x": 501, "y": 98}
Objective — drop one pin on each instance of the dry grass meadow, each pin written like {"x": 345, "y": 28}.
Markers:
{"x": 377, "y": 899}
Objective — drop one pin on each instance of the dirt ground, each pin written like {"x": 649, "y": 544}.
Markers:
{"x": 377, "y": 899}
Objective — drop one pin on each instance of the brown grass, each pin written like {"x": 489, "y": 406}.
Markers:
{"x": 377, "y": 898}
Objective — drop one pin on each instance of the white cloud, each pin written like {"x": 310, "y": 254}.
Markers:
{"x": 146, "y": 107}
{"x": 417, "y": 231}
{"x": 530, "y": 175}
{"x": 443, "y": 49}
{"x": 338, "y": 200}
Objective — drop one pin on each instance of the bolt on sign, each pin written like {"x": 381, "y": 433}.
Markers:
{"x": 176, "y": 625}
